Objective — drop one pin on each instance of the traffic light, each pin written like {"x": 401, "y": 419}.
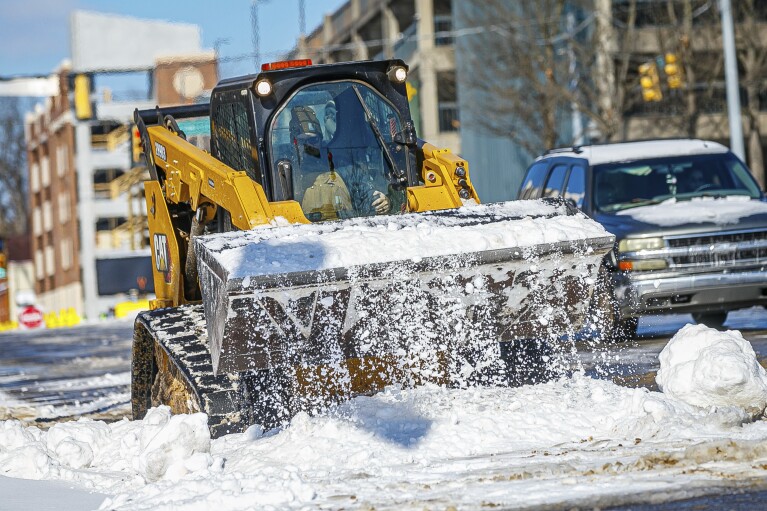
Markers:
{"x": 136, "y": 149}
{"x": 673, "y": 71}
{"x": 650, "y": 82}
{"x": 83, "y": 87}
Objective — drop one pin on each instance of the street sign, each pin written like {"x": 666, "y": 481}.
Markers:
{"x": 31, "y": 317}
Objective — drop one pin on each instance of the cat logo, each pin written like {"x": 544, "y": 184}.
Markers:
{"x": 162, "y": 255}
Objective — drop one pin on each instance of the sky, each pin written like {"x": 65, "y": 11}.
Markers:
{"x": 36, "y": 32}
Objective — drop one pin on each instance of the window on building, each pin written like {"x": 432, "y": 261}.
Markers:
{"x": 107, "y": 234}
{"x": 45, "y": 167}
{"x": 443, "y": 22}
{"x": 34, "y": 177}
{"x": 47, "y": 216}
{"x": 39, "y": 265}
{"x": 62, "y": 155}
{"x": 447, "y": 101}
{"x": 443, "y": 30}
{"x": 37, "y": 222}
{"x": 108, "y": 224}
{"x": 101, "y": 181}
{"x": 64, "y": 207}
{"x": 50, "y": 262}
{"x": 66, "y": 253}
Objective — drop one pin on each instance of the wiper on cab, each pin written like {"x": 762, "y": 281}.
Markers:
{"x": 399, "y": 178}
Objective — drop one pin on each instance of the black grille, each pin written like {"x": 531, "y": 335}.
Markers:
{"x": 735, "y": 237}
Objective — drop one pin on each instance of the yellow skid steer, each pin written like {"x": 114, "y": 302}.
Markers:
{"x": 311, "y": 248}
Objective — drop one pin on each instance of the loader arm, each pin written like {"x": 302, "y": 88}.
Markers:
{"x": 191, "y": 183}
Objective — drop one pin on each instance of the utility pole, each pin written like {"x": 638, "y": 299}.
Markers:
{"x": 731, "y": 79}
{"x": 302, "y": 17}
{"x": 577, "y": 122}
{"x": 220, "y": 41}
{"x": 255, "y": 33}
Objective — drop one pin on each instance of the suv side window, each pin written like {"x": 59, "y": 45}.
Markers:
{"x": 533, "y": 183}
{"x": 556, "y": 181}
{"x": 576, "y": 185}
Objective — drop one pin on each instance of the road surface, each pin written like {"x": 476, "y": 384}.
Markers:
{"x": 63, "y": 374}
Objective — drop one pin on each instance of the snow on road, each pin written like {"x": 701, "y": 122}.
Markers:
{"x": 575, "y": 440}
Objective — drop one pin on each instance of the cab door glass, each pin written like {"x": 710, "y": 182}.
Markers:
{"x": 556, "y": 181}
{"x": 576, "y": 185}
{"x": 533, "y": 183}
{"x": 334, "y": 137}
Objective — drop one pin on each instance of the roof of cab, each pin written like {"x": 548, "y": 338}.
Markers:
{"x": 627, "y": 151}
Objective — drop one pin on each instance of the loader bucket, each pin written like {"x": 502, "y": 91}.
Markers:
{"x": 429, "y": 295}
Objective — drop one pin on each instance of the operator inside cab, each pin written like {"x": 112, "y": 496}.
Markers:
{"x": 333, "y": 135}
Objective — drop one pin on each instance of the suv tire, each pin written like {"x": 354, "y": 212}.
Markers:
{"x": 710, "y": 319}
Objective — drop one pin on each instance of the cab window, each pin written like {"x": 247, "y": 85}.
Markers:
{"x": 233, "y": 146}
{"x": 332, "y": 138}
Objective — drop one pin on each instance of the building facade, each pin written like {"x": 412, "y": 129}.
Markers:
{"x": 89, "y": 231}
{"x": 53, "y": 199}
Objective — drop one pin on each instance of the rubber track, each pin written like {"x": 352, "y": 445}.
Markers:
{"x": 181, "y": 332}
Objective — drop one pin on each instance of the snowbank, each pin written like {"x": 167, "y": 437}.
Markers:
{"x": 102, "y": 455}
{"x": 432, "y": 446}
{"x": 377, "y": 451}
{"x": 707, "y": 368}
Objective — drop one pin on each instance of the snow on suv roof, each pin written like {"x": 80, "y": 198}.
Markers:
{"x": 627, "y": 151}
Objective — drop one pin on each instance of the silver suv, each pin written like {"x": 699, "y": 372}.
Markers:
{"x": 689, "y": 219}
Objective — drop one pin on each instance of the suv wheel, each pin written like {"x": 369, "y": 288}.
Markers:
{"x": 710, "y": 319}
{"x": 625, "y": 329}
{"x": 604, "y": 315}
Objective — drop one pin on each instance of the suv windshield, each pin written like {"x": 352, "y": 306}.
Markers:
{"x": 339, "y": 141}
{"x": 625, "y": 185}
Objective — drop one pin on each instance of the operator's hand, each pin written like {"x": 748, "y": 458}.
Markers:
{"x": 381, "y": 203}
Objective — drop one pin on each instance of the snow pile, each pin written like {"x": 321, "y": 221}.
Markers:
{"x": 704, "y": 367}
{"x": 724, "y": 211}
{"x": 172, "y": 446}
{"x": 433, "y": 443}
{"x": 159, "y": 447}
{"x": 432, "y": 446}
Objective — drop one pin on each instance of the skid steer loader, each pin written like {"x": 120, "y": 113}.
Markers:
{"x": 317, "y": 250}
